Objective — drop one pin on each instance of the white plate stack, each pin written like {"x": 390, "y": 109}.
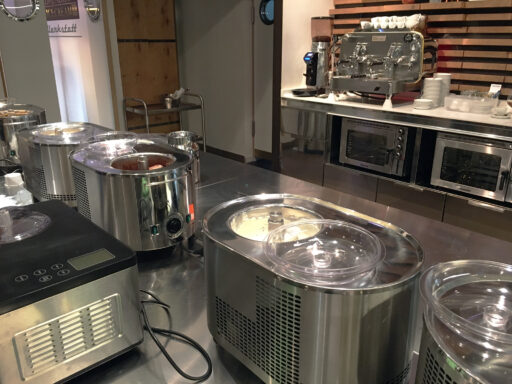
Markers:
{"x": 447, "y": 80}
{"x": 433, "y": 90}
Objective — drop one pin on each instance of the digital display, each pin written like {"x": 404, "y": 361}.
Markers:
{"x": 90, "y": 259}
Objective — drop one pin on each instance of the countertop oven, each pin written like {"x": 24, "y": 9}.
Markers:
{"x": 479, "y": 167}
{"x": 380, "y": 147}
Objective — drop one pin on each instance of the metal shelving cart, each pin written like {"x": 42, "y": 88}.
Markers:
{"x": 144, "y": 109}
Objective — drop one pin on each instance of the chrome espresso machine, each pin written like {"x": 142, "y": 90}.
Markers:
{"x": 382, "y": 62}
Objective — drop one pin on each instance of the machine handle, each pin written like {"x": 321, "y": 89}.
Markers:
{"x": 154, "y": 184}
{"x": 409, "y": 185}
{"x": 504, "y": 177}
{"x": 488, "y": 206}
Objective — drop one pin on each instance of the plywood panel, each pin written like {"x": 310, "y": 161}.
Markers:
{"x": 147, "y": 19}
{"x": 478, "y": 77}
{"x": 148, "y": 70}
{"x": 488, "y": 16}
{"x": 486, "y": 54}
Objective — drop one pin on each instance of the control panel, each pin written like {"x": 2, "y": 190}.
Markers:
{"x": 47, "y": 273}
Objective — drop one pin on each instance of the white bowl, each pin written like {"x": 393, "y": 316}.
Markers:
{"x": 423, "y": 104}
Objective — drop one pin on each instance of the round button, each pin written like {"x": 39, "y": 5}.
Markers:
{"x": 21, "y": 278}
{"x": 39, "y": 272}
{"x": 45, "y": 278}
{"x": 57, "y": 266}
{"x": 63, "y": 272}
{"x": 174, "y": 226}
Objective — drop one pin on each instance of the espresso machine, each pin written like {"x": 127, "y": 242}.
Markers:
{"x": 317, "y": 60}
{"x": 382, "y": 62}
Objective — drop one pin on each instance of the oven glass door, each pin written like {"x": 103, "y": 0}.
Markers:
{"x": 369, "y": 146}
{"x": 477, "y": 169}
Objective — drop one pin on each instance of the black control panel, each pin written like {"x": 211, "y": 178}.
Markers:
{"x": 70, "y": 252}
{"x": 311, "y": 60}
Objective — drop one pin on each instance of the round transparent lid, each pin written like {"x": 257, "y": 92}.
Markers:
{"x": 111, "y": 135}
{"x": 473, "y": 298}
{"x": 335, "y": 252}
{"x": 143, "y": 162}
{"x": 184, "y": 140}
{"x": 19, "y": 223}
{"x": 469, "y": 314}
{"x": 255, "y": 223}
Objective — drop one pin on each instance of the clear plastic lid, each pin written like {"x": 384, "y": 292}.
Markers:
{"x": 19, "y": 223}
{"x": 64, "y": 133}
{"x": 184, "y": 140}
{"x": 335, "y": 253}
{"x": 143, "y": 162}
{"x": 256, "y": 222}
{"x": 469, "y": 308}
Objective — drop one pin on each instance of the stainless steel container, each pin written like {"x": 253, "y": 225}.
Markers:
{"x": 295, "y": 320}
{"x": 138, "y": 189}
{"x": 187, "y": 141}
{"x": 44, "y": 154}
{"x": 14, "y": 118}
{"x": 467, "y": 334}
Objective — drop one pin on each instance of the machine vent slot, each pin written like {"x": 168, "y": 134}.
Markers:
{"x": 402, "y": 377}
{"x": 82, "y": 197}
{"x": 434, "y": 373}
{"x": 68, "y": 336}
{"x": 272, "y": 342}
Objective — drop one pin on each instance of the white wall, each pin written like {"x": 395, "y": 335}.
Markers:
{"x": 82, "y": 73}
{"x": 297, "y": 37}
{"x": 28, "y": 64}
{"x": 263, "y": 66}
{"x": 214, "y": 54}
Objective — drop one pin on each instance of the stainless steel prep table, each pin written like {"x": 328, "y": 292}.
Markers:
{"x": 179, "y": 279}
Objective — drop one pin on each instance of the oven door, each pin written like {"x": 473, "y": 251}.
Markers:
{"x": 376, "y": 146}
{"x": 468, "y": 166}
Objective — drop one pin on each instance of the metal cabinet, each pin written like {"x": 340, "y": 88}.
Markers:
{"x": 411, "y": 198}
{"x": 350, "y": 181}
{"x": 479, "y": 217}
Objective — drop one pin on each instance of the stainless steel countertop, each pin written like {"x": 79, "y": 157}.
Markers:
{"x": 438, "y": 119}
{"x": 178, "y": 278}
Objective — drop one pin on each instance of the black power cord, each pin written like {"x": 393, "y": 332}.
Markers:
{"x": 153, "y": 332}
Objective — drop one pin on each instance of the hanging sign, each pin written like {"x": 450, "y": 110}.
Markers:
{"x": 63, "y": 17}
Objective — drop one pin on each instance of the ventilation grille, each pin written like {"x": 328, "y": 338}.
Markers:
{"x": 67, "y": 336}
{"x": 401, "y": 378}
{"x": 82, "y": 198}
{"x": 433, "y": 373}
{"x": 40, "y": 178}
{"x": 272, "y": 342}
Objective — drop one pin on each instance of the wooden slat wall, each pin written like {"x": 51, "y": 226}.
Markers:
{"x": 475, "y": 38}
{"x": 146, "y": 39}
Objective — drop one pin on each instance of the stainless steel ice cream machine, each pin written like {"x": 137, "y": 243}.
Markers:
{"x": 382, "y": 62}
{"x": 139, "y": 189}
{"x": 44, "y": 154}
{"x": 304, "y": 291}
{"x": 13, "y": 119}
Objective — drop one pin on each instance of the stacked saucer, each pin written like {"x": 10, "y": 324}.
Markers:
{"x": 433, "y": 89}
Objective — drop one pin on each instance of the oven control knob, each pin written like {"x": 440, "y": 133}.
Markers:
{"x": 398, "y": 147}
{"x": 400, "y": 138}
{"x": 398, "y": 153}
{"x": 400, "y": 131}
{"x": 174, "y": 226}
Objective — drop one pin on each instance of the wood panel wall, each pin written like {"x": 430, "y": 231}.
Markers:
{"x": 475, "y": 38}
{"x": 146, "y": 38}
